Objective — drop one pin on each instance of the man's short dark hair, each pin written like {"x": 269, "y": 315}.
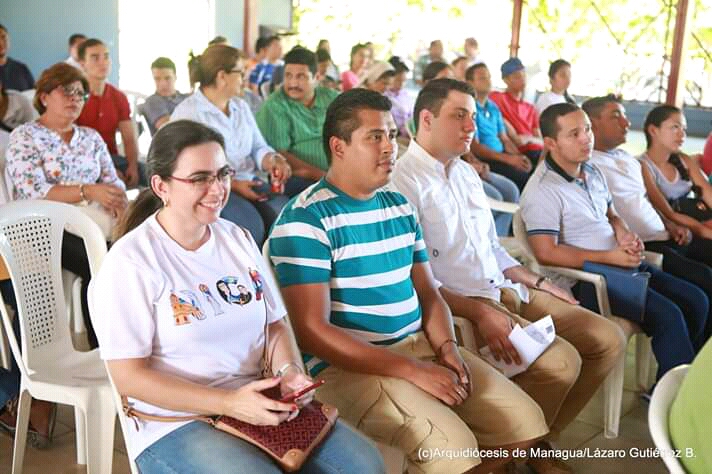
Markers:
{"x": 260, "y": 44}
{"x": 398, "y": 64}
{"x": 301, "y": 55}
{"x": 548, "y": 122}
{"x": 271, "y": 39}
{"x": 470, "y": 72}
{"x": 91, "y": 42}
{"x": 322, "y": 55}
{"x": 163, "y": 63}
{"x": 342, "y": 114}
{"x": 433, "y": 69}
{"x": 76, "y": 37}
{"x": 2, "y": 27}
{"x": 432, "y": 96}
{"x": 595, "y": 105}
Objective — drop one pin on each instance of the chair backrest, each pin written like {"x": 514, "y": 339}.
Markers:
{"x": 660, "y": 403}
{"x": 31, "y": 233}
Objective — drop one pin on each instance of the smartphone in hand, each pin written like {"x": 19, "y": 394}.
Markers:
{"x": 290, "y": 397}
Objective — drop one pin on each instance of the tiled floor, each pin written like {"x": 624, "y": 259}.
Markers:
{"x": 585, "y": 432}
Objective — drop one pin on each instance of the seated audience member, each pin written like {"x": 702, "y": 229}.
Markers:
{"x": 219, "y": 71}
{"x": 15, "y": 109}
{"x": 173, "y": 247}
{"x": 74, "y": 42}
{"x": 360, "y": 59}
{"x": 435, "y": 54}
{"x": 160, "y": 105}
{"x": 331, "y": 70}
{"x": 480, "y": 281}
{"x": 107, "y": 111}
{"x": 690, "y": 419}
{"x": 673, "y": 173}
{"x": 13, "y": 74}
{"x": 258, "y": 57}
{"x": 493, "y": 144}
{"x": 570, "y": 219}
{"x": 43, "y": 414}
{"x": 263, "y": 70}
{"x": 437, "y": 70}
{"x": 378, "y": 77}
{"x": 560, "y": 79}
{"x": 685, "y": 254}
{"x": 354, "y": 273}
{"x": 472, "y": 50}
{"x": 401, "y": 99}
{"x": 52, "y": 158}
{"x": 459, "y": 66}
{"x": 521, "y": 116}
{"x": 291, "y": 119}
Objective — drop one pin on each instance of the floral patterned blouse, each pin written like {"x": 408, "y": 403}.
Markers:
{"x": 37, "y": 158}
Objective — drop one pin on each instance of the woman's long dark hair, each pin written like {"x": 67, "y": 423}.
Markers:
{"x": 167, "y": 144}
{"x": 553, "y": 69}
{"x": 656, "y": 117}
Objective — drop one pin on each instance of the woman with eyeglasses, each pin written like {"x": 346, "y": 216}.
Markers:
{"x": 52, "y": 158}
{"x": 203, "y": 304}
{"x": 253, "y": 204}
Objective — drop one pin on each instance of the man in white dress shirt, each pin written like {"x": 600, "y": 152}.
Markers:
{"x": 480, "y": 281}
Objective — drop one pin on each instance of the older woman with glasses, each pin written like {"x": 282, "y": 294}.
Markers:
{"x": 52, "y": 158}
{"x": 253, "y": 204}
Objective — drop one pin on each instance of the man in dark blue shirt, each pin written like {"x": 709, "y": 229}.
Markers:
{"x": 13, "y": 74}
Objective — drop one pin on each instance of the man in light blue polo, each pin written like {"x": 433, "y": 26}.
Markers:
{"x": 570, "y": 219}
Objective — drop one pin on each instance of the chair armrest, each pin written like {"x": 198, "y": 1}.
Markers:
{"x": 598, "y": 281}
{"x": 653, "y": 258}
{"x": 502, "y": 206}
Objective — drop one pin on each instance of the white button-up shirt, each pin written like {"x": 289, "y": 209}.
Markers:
{"x": 457, "y": 223}
{"x": 245, "y": 147}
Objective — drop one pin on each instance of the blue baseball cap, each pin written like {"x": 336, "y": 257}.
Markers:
{"x": 511, "y": 65}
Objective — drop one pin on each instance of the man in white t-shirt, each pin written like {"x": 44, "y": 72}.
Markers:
{"x": 685, "y": 255}
{"x": 74, "y": 42}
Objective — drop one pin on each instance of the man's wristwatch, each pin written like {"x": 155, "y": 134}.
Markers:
{"x": 541, "y": 280}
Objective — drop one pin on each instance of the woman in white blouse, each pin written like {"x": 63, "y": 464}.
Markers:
{"x": 253, "y": 205}
{"x": 52, "y": 158}
{"x": 560, "y": 79}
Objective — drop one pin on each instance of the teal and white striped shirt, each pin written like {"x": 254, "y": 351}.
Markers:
{"x": 365, "y": 251}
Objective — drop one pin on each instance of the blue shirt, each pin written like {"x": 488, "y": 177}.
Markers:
{"x": 262, "y": 73}
{"x": 489, "y": 125}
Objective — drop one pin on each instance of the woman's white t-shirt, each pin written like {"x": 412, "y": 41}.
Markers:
{"x": 198, "y": 315}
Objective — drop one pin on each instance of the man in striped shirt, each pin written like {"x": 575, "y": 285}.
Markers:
{"x": 354, "y": 272}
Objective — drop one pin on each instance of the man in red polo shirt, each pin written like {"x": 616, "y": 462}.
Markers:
{"x": 520, "y": 116}
{"x": 108, "y": 110}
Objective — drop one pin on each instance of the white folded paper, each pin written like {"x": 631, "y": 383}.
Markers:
{"x": 530, "y": 342}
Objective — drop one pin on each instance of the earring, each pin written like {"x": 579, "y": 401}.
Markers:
{"x": 165, "y": 202}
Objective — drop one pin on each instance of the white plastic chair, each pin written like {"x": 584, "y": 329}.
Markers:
{"x": 124, "y": 421}
{"x": 51, "y": 369}
{"x": 660, "y": 403}
{"x": 613, "y": 385}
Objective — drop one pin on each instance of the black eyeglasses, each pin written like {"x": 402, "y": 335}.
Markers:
{"x": 205, "y": 180}
{"x": 71, "y": 92}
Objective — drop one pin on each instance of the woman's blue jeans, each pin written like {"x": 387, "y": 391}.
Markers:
{"x": 198, "y": 448}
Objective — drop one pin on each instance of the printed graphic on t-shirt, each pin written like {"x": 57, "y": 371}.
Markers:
{"x": 183, "y": 308}
{"x": 232, "y": 291}
{"x": 211, "y": 299}
{"x": 257, "y": 283}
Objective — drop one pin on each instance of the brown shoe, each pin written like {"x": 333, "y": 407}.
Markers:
{"x": 43, "y": 416}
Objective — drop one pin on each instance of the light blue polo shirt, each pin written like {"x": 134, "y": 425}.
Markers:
{"x": 489, "y": 125}
{"x": 572, "y": 209}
